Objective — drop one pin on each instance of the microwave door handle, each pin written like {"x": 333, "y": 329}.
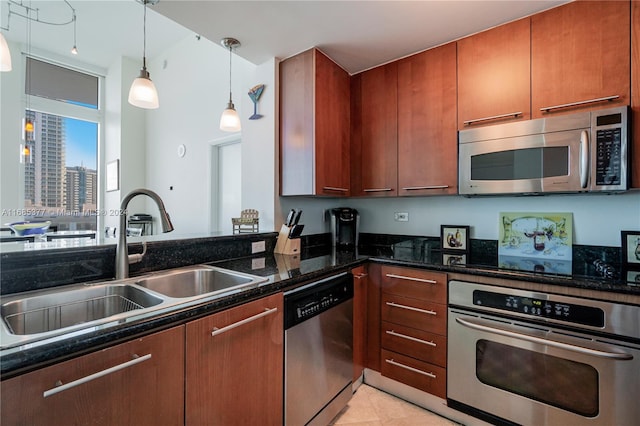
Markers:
{"x": 584, "y": 158}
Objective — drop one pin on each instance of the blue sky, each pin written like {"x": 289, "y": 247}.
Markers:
{"x": 82, "y": 137}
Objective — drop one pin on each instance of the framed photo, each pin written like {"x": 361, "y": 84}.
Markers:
{"x": 454, "y": 238}
{"x": 630, "y": 250}
{"x": 113, "y": 175}
{"x": 452, "y": 259}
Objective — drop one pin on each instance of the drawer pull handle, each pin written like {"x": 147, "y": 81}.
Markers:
{"x": 411, "y": 308}
{"x": 378, "y": 190}
{"x": 266, "y": 312}
{"x": 360, "y": 276}
{"x": 589, "y": 101}
{"x": 420, "y": 280}
{"x": 493, "y": 117}
{"x": 332, "y": 188}
{"x": 418, "y": 188}
{"x": 415, "y": 339}
{"x": 406, "y": 367}
{"x": 62, "y": 387}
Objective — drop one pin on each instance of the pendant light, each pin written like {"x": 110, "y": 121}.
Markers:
{"x": 5, "y": 55}
{"x": 230, "y": 120}
{"x": 143, "y": 93}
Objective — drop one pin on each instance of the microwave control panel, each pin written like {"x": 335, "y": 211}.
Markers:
{"x": 609, "y": 149}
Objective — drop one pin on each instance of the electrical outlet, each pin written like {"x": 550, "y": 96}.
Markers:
{"x": 401, "y": 216}
{"x": 257, "y": 247}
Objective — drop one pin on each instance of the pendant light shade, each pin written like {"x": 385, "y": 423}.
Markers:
{"x": 143, "y": 93}
{"x": 5, "y": 55}
{"x": 230, "y": 120}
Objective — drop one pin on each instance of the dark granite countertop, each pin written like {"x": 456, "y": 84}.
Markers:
{"x": 287, "y": 272}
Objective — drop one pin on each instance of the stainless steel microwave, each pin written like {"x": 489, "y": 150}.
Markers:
{"x": 581, "y": 152}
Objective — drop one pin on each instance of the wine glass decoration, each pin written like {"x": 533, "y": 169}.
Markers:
{"x": 254, "y": 94}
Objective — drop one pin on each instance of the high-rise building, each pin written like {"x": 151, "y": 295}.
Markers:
{"x": 81, "y": 189}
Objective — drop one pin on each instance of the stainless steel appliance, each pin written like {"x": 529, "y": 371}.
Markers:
{"x": 344, "y": 227}
{"x": 535, "y": 358}
{"x": 582, "y": 152}
{"x": 318, "y": 350}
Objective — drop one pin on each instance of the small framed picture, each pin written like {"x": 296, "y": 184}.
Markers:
{"x": 630, "y": 250}
{"x": 113, "y": 175}
{"x": 453, "y": 259}
{"x": 454, "y": 238}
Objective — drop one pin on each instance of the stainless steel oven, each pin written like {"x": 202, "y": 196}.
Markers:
{"x": 529, "y": 358}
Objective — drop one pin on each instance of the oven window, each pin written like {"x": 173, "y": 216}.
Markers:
{"x": 528, "y": 163}
{"x": 562, "y": 383}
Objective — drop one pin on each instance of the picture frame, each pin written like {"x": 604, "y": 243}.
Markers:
{"x": 453, "y": 259}
{"x": 630, "y": 250}
{"x": 454, "y": 238}
{"x": 113, "y": 176}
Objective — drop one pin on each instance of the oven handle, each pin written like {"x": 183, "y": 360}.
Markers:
{"x": 622, "y": 356}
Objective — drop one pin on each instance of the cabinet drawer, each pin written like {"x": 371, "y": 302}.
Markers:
{"x": 418, "y": 374}
{"x": 416, "y": 283}
{"x": 415, "y": 313}
{"x": 425, "y": 346}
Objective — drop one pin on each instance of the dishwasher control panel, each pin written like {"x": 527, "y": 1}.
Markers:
{"x": 314, "y": 298}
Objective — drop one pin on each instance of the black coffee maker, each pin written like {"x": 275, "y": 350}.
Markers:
{"x": 344, "y": 227}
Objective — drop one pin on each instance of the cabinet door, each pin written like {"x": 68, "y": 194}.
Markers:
{"x": 360, "y": 283}
{"x": 635, "y": 92}
{"x": 136, "y": 383}
{"x": 332, "y": 128}
{"x": 494, "y": 75}
{"x": 234, "y": 366}
{"x": 580, "y": 53}
{"x": 373, "y": 317}
{"x": 427, "y": 137}
{"x": 377, "y": 107}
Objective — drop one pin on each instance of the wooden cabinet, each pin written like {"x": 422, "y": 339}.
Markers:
{"x": 314, "y": 126}
{"x": 635, "y": 94}
{"x": 234, "y": 372}
{"x": 427, "y": 138}
{"x": 494, "y": 75}
{"x": 414, "y": 328}
{"x": 140, "y": 382}
{"x": 580, "y": 53}
{"x": 360, "y": 282}
{"x": 375, "y": 132}
{"x": 372, "y": 347}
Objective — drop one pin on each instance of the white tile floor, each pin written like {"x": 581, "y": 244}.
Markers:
{"x": 372, "y": 407}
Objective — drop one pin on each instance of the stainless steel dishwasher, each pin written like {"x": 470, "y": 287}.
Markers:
{"x": 318, "y": 350}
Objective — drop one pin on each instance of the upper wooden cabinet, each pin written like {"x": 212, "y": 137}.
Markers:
{"x": 375, "y": 131}
{"x": 314, "y": 126}
{"x": 635, "y": 93}
{"x": 494, "y": 74}
{"x": 427, "y": 138}
{"x": 580, "y": 53}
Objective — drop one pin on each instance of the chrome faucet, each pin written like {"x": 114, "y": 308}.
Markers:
{"x": 122, "y": 253}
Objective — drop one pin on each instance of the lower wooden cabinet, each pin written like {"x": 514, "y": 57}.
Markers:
{"x": 137, "y": 383}
{"x": 413, "y": 372}
{"x": 234, "y": 359}
{"x": 360, "y": 283}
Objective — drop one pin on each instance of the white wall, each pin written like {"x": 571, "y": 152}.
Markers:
{"x": 597, "y": 219}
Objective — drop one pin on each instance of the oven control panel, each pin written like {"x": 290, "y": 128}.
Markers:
{"x": 568, "y": 312}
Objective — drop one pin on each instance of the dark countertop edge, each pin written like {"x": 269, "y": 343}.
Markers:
{"x": 21, "y": 362}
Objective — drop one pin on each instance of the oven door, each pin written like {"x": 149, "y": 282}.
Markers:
{"x": 545, "y": 162}
{"x": 530, "y": 375}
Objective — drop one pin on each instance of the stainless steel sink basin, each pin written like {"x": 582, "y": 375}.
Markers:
{"x": 198, "y": 281}
{"x": 66, "y": 308}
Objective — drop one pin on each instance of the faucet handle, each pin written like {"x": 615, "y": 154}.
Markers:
{"x": 135, "y": 258}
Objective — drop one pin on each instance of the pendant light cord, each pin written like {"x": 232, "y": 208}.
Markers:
{"x": 230, "y": 97}
{"x": 144, "y": 36}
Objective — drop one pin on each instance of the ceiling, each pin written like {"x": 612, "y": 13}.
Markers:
{"x": 358, "y": 35}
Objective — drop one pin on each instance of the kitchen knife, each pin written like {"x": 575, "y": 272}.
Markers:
{"x": 289, "y": 220}
{"x": 296, "y": 231}
{"x": 296, "y": 219}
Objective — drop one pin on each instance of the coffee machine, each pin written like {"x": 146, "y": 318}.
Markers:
{"x": 344, "y": 227}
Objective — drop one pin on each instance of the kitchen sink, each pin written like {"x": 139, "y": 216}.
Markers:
{"x": 61, "y": 309}
{"x": 198, "y": 281}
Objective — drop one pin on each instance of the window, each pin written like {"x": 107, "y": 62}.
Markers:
{"x": 60, "y": 172}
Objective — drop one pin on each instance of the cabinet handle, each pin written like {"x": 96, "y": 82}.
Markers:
{"x": 589, "y": 101}
{"x": 417, "y": 188}
{"x": 266, "y": 312}
{"x": 406, "y": 367}
{"x": 421, "y": 280}
{"x": 493, "y": 117}
{"x": 62, "y": 387}
{"x": 360, "y": 276}
{"x": 378, "y": 190}
{"x": 331, "y": 188}
{"x": 411, "y": 308}
{"x": 415, "y": 339}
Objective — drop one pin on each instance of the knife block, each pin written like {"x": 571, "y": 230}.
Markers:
{"x": 286, "y": 245}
